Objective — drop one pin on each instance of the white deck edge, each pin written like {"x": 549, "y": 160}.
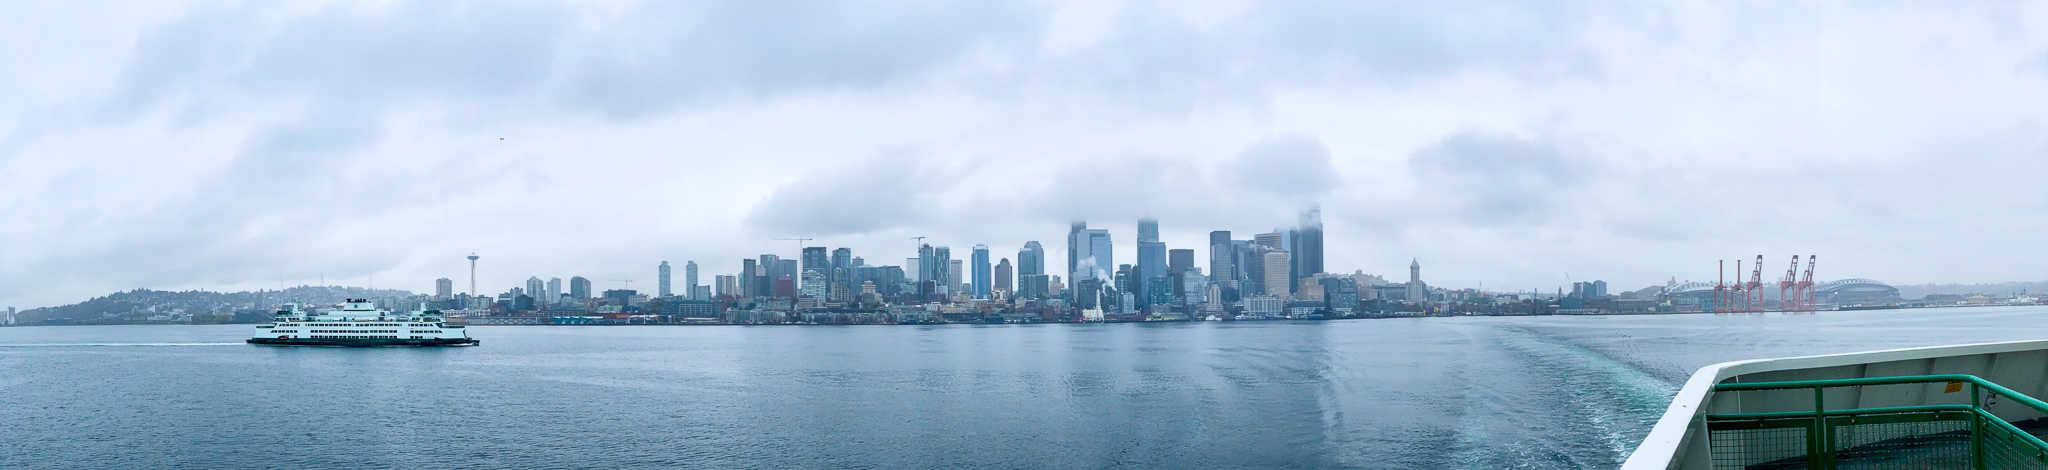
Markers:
{"x": 1660, "y": 448}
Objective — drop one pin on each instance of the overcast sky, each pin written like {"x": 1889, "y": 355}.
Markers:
{"x": 1509, "y": 145}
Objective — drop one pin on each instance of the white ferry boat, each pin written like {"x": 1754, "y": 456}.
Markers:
{"x": 358, "y": 322}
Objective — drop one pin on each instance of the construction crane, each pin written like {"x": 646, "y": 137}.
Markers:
{"x": 625, "y": 283}
{"x": 799, "y": 244}
{"x": 1785, "y": 285}
{"x": 1754, "y": 302}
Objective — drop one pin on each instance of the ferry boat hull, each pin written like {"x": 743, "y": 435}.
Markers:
{"x": 366, "y": 342}
{"x": 360, "y": 323}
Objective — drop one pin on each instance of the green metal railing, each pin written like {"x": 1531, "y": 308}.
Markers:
{"x": 1922, "y": 436}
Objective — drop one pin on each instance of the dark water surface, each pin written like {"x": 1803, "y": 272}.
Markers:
{"x": 1540, "y": 392}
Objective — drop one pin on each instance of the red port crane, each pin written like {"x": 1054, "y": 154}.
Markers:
{"x": 1753, "y": 300}
{"x": 1786, "y": 302}
{"x": 1806, "y": 300}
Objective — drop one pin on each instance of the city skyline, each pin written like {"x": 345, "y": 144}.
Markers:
{"x": 1636, "y": 143}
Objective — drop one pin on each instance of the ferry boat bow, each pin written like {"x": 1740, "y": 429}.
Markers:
{"x": 1965, "y": 406}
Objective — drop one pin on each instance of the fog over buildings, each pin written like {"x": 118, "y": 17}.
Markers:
{"x": 175, "y": 146}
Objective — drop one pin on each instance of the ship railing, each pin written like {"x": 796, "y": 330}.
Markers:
{"x": 1954, "y": 435}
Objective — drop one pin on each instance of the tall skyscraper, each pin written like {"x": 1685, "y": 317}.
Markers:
{"x": 749, "y": 269}
{"x": 841, "y": 277}
{"x": 983, "y": 281}
{"x": 1031, "y": 259}
{"x": 1148, "y": 230}
{"x": 534, "y": 286}
{"x": 1306, "y": 252}
{"x": 579, "y": 288}
{"x": 1276, "y": 273}
{"x": 1417, "y": 292}
{"x": 554, "y": 293}
{"x": 1100, "y": 253}
{"x": 444, "y": 289}
{"x": 842, "y": 257}
{"x": 816, "y": 258}
{"x": 690, "y": 279}
{"x": 1077, "y": 249}
{"x": 662, "y": 280}
{"x": 956, "y": 271}
{"x": 1220, "y": 256}
{"x": 1151, "y": 265}
{"x": 725, "y": 285}
{"x": 1003, "y": 278}
{"x": 1269, "y": 240}
{"x": 770, "y": 267}
{"x": 1178, "y": 262}
{"x": 940, "y": 275}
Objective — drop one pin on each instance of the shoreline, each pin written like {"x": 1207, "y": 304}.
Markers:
{"x": 1302, "y": 320}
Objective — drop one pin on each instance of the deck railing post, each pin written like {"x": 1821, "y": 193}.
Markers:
{"x": 1824, "y": 449}
{"x": 1976, "y": 427}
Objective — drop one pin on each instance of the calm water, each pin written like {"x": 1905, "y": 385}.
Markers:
{"x": 1556, "y": 392}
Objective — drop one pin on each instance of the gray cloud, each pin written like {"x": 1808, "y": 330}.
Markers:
{"x": 895, "y": 189}
{"x": 230, "y": 146}
{"x": 1286, "y": 165}
{"x": 1485, "y": 177}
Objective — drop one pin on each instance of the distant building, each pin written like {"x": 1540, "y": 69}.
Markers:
{"x": 1003, "y": 278}
{"x": 444, "y": 289}
{"x": 842, "y": 257}
{"x": 984, "y": 281}
{"x": 554, "y": 293}
{"x": 956, "y": 274}
{"x": 1194, "y": 287}
{"x": 1077, "y": 249}
{"x": 724, "y": 285}
{"x": 662, "y": 280}
{"x": 1268, "y": 240}
{"x": 1031, "y": 259}
{"x": 1417, "y": 291}
{"x": 783, "y": 286}
{"x": 1275, "y": 267}
{"x": 579, "y": 288}
{"x": 1263, "y": 305}
{"x": 749, "y": 269}
{"x": 690, "y": 280}
{"x": 1034, "y": 286}
{"x": 535, "y": 287}
{"x": 620, "y": 297}
{"x": 1178, "y": 261}
{"x": 1220, "y": 265}
{"x": 1306, "y": 254}
{"x": 813, "y": 283}
{"x": 1089, "y": 254}
{"x": 1151, "y": 265}
{"x": 1341, "y": 293}
{"x": 815, "y": 258}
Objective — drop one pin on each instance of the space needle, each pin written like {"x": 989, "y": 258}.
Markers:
{"x": 472, "y": 275}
